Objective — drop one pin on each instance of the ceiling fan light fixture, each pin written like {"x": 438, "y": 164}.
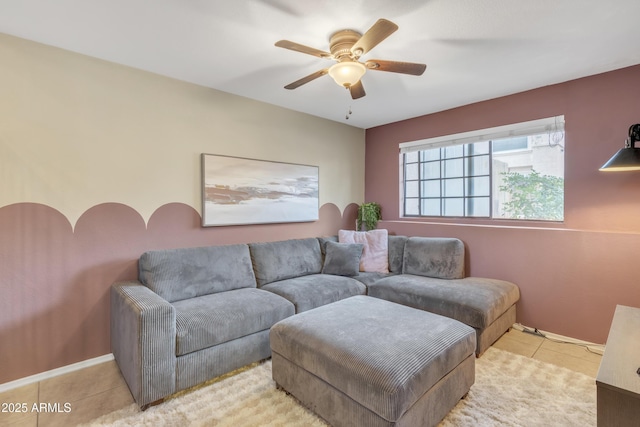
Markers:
{"x": 346, "y": 47}
{"x": 347, "y": 73}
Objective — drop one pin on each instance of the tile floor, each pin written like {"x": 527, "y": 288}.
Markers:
{"x": 100, "y": 389}
{"x": 570, "y": 356}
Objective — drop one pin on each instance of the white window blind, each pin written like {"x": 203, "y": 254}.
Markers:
{"x": 533, "y": 127}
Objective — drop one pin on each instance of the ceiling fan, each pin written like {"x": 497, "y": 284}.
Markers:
{"x": 346, "y": 47}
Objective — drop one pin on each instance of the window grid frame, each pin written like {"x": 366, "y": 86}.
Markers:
{"x": 442, "y": 158}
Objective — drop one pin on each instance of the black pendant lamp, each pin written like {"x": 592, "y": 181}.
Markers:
{"x": 627, "y": 158}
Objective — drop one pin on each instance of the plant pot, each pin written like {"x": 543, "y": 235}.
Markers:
{"x": 368, "y": 216}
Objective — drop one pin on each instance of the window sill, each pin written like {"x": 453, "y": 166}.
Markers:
{"x": 486, "y": 223}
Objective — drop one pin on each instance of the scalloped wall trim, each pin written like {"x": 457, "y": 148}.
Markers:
{"x": 55, "y": 278}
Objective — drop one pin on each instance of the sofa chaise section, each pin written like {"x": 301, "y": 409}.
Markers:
{"x": 433, "y": 280}
{"x": 194, "y": 314}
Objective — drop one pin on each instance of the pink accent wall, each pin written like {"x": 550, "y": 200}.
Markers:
{"x": 571, "y": 275}
{"x": 54, "y": 308}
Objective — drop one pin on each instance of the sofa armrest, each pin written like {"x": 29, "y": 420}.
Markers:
{"x": 143, "y": 337}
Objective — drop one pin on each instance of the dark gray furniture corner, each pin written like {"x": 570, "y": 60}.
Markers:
{"x": 433, "y": 279}
{"x": 197, "y": 313}
{"x": 368, "y": 362}
{"x": 293, "y": 270}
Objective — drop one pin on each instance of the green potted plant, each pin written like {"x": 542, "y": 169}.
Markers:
{"x": 368, "y": 214}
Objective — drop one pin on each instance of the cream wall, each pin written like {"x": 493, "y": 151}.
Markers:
{"x": 100, "y": 163}
{"x": 76, "y": 131}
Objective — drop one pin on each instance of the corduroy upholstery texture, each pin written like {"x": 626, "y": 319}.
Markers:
{"x": 382, "y": 355}
{"x": 323, "y": 243}
{"x": 442, "y": 258}
{"x": 396, "y": 253}
{"x": 217, "y": 318}
{"x": 369, "y": 277}
{"x": 339, "y": 410}
{"x": 273, "y": 261}
{"x": 433, "y": 280}
{"x": 199, "y": 366}
{"x": 475, "y": 301}
{"x": 197, "y": 313}
{"x": 342, "y": 259}
{"x": 178, "y": 274}
{"x": 314, "y": 290}
{"x": 143, "y": 331}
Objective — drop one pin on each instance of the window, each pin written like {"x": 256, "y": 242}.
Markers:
{"x": 507, "y": 144}
{"x": 510, "y": 172}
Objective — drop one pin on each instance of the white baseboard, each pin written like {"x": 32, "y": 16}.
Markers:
{"x": 596, "y": 348}
{"x": 55, "y": 372}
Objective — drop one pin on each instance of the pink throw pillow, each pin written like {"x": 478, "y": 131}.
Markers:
{"x": 375, "y": 254}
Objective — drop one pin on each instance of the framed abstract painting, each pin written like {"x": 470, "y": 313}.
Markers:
{"x": 238, "y": 191}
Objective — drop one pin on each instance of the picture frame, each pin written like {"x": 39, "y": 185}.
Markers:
{"x": 242, "y": 191}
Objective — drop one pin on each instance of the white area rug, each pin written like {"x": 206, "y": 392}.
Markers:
{"x": 510, "y": 390}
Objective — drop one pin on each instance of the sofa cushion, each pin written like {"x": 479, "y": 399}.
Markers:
{"x": 396, "y": 250}
{"x": 442, "y": 258}
{"x": 312, "y": 291}
{"x": 323, "y": 243}
{"x": 177, "y": 274}
{"x": 285, "y": 259}
{"x": 474, "y": 301}
{"x": 369, "y": 277}
{"x": 214, "y": 319}
{"x": 375, "y": 255}
{"x": 396, "y": 253}
{"x": 342, "y": 259}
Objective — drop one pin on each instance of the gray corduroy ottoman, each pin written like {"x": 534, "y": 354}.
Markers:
{"x": 364, "y": 361}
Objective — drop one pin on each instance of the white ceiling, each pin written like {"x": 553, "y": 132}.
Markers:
{"x": 474, "y": 49}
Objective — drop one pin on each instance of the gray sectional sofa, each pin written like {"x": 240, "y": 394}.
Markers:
{"x": 197, "y": 313}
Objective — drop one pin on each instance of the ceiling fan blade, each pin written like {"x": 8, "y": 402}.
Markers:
{"x": 357, "y": 90}
{"x": 286, "y": 44}
{"x": 307, "y": 79}
{"x": 374, "y": 35}
{"x": 396, "y": 66}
